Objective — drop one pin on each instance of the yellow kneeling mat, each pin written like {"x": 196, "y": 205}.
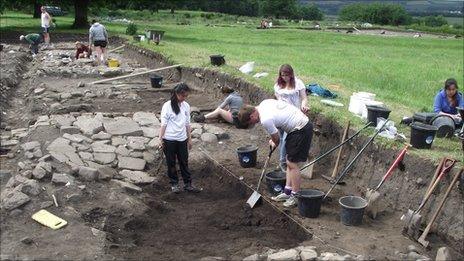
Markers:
{"x": 48, "y": 219}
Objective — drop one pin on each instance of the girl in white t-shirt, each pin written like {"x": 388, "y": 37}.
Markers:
{"x": 292, "y": 90}
{"x": 175, "y": 137}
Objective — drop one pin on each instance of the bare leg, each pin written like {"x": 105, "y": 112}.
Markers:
{"x": 293, "y": 173}
{"x": 218, "y": 112}
{"x": 99, "y": 54}
{"x": 103, "y": 51}
{"x": 47, "y": 38}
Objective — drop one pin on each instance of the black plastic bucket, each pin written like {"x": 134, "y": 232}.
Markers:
{"x": 374, "y": 112}
{"x": 137, "y": 38}
{"x": 275, "y": 181}
{"x": 217, "y": 60}
{"x": 156, "y": 81}
{"x": 422, "y": 135}
{"x": 247, "y": 156}
{"x": 444, "y": 124}
{"x": 309, "y": 202}
{"x": 352, "y": 211}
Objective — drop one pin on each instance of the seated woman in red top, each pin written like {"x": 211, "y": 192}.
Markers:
{"x": 82, "y": 50}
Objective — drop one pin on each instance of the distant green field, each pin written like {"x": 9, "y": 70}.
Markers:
{"x": 404, "y": 72}
{"x": 455, "y": 20}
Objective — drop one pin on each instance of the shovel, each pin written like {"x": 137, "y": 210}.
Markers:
{"x": 372, "y": 195}
{"x": 347, "y": 168}
{"x": 412, "y": 219}
{"x": 334, "y": 148}
{"x": 254, "y": 198}
{"x": 421, "y": 239}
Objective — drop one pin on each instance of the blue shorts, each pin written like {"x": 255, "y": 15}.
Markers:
{"x": 45, "y": 29}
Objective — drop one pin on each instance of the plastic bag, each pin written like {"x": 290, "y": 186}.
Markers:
{"x": 260, "y": 75}
{"x": 247, "y": 67}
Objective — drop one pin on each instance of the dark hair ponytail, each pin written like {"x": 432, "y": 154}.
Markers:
{"x": 179, "y": 88}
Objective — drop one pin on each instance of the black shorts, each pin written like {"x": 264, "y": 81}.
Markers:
{"x": 45, "y": 29}
{"x": 298, "y": 143}
{"x": 100, "y": 43}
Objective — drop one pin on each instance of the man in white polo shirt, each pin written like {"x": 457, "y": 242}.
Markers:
{"x": 277, "y": 115}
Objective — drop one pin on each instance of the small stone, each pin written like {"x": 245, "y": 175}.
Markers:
{"x": 412, "y": 248}
{"x": 38, "y": 91}
{"x": 99, "y": 147}
{"x": 27, "y": 240}
{"x": 101, "y": 136}
{"x": 88, "y": 174}
{"x": 14, "y": 199}
{"x": 104, "y": 158}
{"x": 148, "y": 157}
{"x": 154, "y": 143}
{"x": 15, "y": 213}
{"x": 287, "y": 255}
{"x": 308, "y": 254}
{"x": 86, "y": 155}
{"x": 65, "y": 95}
{"x": 150, "y": 132}
{"x": 81, "y": 84}
{"x": 420, "y": 181}
{"x": 29, "y": 146}
{"x": 137, "y": 177}
{"x": 136, "y": 154}
{"x": 209, "y": 137}
{"x": 118, "y": 140}
{"x": 127, "y": 186}
{"x": 46, "y": 204}
{"x": 131, "y": 163}
{"x": 122, "y": 150}
{"x": 443, "y": 254}
{"x": 46, "y": 158}
{"x": 27, "y": 174}
{"x": 69, "y": 130}
{"x": 62, "y": 179}
{"x": 37, "y": 153}
{"x": 106, "y": 173}
{"x": 30, "y": 187}
{"x": 254, "y": 257}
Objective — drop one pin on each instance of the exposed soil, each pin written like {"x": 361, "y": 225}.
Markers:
{"x": 107, "y": 222}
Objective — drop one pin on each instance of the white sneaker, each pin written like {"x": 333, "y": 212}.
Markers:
{"x": 281, "y": 197}
{"x": 291, "y": 202}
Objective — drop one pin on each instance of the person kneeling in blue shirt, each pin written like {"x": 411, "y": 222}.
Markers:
{"x": 448, "y": 100}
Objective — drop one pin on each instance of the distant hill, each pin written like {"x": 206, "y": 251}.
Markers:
{"x": 424, "y": 7}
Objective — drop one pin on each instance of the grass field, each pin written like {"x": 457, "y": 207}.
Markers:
{"x": 404, "y": 72}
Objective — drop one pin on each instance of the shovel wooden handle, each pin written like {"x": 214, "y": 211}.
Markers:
{"x": 447, "y": 166}
{"x": 435, "y": 175}
{"x": 339, "y": 154}
{"x": 440, "y": 206}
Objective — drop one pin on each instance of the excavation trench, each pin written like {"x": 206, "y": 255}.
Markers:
{"x": 215, "y": 222}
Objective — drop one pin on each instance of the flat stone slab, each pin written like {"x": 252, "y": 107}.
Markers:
{"x": 127, "y": 185}
{"x": 13, "y": 199}
{"x": 62, "y": 120}
{"x": 28, "y": 146}
{"x": 101, "y": 136}
{"x": 104, "y": 158}
{"x": 150, "y": 132}
{"x": 118, "y": 140}
{"x": 88, "y": 173}
{"x": 62, "y": 179}
{"x": 88, "y": 125}
{"x": 145, "y": 118}
{"x": 131, "y": 163}
{"x": 103, "y": 148}
{"x": 123, "y": 126}
{"x": 137, "y": 177}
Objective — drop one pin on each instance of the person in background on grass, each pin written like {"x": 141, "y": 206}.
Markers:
{"x": 34, "y": 40}
{"x": 175, "y": 137}
{"x": 228, "y": 110}
{"x": 99, "y": 38}
{"x": 276, "y": 115}
{"x": 82, "y": 51}
{"x": 46, "y": 21}
{"x": 448, "y": 99}
{"x": 291, "y": 90}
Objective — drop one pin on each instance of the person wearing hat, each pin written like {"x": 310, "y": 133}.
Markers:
{"x": 34, "y": 40}
{"x": 227, "y": 110}
{"x": 82, "y": 50}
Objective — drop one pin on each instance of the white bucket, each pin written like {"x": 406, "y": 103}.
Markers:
{"x": 358, "y": 103}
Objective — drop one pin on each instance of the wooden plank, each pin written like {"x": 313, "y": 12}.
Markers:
{"x": 135, "y": 74}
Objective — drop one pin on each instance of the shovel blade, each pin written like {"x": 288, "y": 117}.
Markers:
{"x": 253, "y": 199}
